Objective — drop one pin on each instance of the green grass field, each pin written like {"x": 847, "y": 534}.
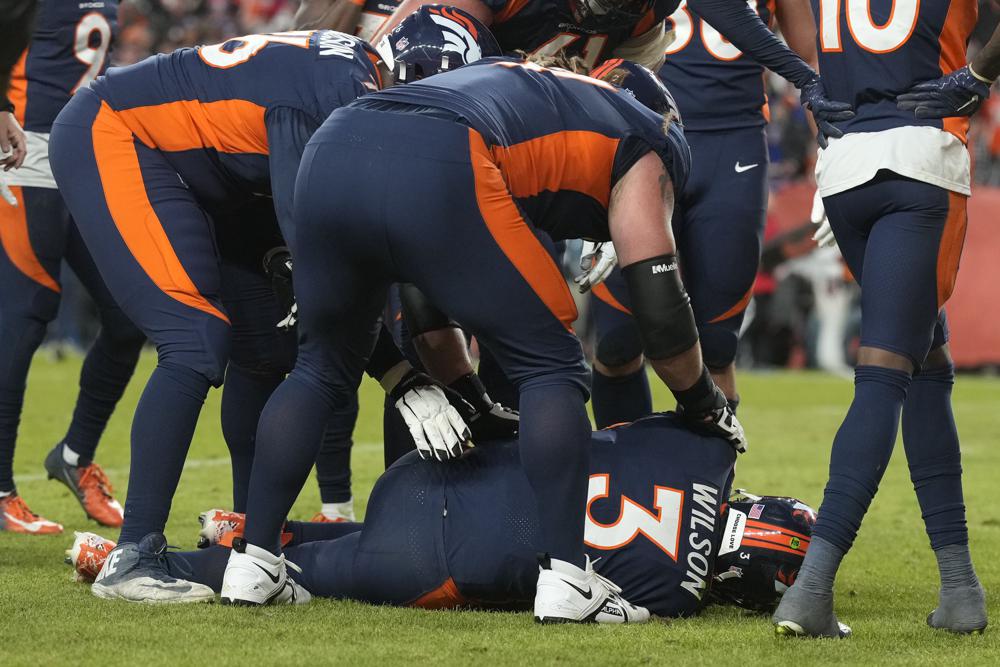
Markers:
{"x": 887, "y": 586}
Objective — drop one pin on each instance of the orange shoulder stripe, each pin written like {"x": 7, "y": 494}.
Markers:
{"x": 541, "y": 164}
{"x": 228, "y": 126}
{"x": 510, "y": 9}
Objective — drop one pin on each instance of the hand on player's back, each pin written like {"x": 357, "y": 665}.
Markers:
{"x": 825, "y": 111}
{"x": 959, "y": 93}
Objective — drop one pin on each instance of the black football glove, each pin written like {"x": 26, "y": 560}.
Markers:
{"x": 959, "y": 93}
{"x": 825, "y": 111}
{"x": 487, "y": 419}
{"x": 712, "y": 416}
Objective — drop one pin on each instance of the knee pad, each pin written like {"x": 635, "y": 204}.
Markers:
{"x": 719, "y": 341}
{"x": 619, "y": 345}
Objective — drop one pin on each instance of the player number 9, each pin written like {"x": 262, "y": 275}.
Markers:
{"x": 90, "y": 55}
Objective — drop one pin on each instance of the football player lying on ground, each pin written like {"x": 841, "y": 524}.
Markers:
{"x": 467, "y": 534}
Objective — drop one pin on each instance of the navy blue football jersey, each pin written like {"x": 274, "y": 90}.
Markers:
{"x": 561, "y": 140}
{"x": 715, "y": 85}
{"x": 69, "y": 47}
{"x": 870, "y": 51}
{"x": 233, "y": 118}
{"x": 656, "y": 497}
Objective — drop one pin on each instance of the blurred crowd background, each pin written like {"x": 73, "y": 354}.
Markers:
{"x": 805, "y": 312}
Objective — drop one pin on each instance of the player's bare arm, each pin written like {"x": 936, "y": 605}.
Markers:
{"x": 639, "y": 217}
{"x": 959, "y": 93}
{"x": 341, "y": 15}
{"x": 474, "y": 7}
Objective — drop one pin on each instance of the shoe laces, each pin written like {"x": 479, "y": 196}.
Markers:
{"x": 93, "y": 477}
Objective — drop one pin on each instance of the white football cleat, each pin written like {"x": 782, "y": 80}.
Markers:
{"x": 255, "y": 576}
{"x": 567, "y": 594}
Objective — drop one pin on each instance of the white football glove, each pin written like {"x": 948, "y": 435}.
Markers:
{"x": 436, "y": 427}
{"x": 824, "y": 234}
{"x": 597, "y": 259}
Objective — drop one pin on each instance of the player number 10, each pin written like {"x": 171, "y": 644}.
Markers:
{"x": 876, "y": 32}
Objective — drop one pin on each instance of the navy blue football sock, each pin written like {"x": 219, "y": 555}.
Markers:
{"x": 205, "y": 566}
{"x": 333, "y": 463}
{"x": 106, "y": 372}
{"x": 930, "y": 439}
{"x": 306, "y": 531}
{"x": 554, "y": 441}
{"x": 19, "y": 338}
{"x": 288, "y": 438}
{"x": 620, "y": 399}
{"x": 861, "y": 452}
{"x": 244, "y": 396}
{"x": 162, "y": 429}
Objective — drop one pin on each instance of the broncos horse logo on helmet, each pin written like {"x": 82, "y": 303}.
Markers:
{"x": 434, "y": 39}
{"x": 763, "y": 544}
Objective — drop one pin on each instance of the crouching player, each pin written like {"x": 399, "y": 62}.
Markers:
{"x": 895, "y": 188}
{"x": 482, "y": 158}
{"x": 657, "y": 523}
{"x": 147, "y": 159}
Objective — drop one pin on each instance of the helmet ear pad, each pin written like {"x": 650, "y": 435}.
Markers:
{"x": 763, "y": 545}
{"x": 434, "y": 39}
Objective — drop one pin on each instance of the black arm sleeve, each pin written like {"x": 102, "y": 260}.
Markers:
{"x": 741, "y": 26}
{"x": 419, "y": 313}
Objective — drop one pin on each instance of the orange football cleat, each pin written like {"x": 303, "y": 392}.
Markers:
{"x": 15, "y": 517}
{"x": 90, "y": 486}
{"x": 87, "y": 555}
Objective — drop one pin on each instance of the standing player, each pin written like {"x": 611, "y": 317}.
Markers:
{"x": 895, "y": 188}
{"x": 146, "y": 158}
{"x": 720, "y": 93}
{"x": 69, "y": 48}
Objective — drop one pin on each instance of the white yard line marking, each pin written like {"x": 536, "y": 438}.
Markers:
{"x": 190, "y": 464}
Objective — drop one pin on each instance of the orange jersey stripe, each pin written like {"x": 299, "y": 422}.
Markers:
{"x": 958, "y": 25}
{"x": 601, "y": 291}
{"x": 445, "y": 596}
{"x": 515, "y": 238}
{"x": 17, "y": 243}
{"x": 607, "y": 66}
{"x": 228, "y": 126}
{"x": 738, "y": 308}
{"x": 17, "y": 91}
{"x": 540, "y": 164}
{"x": 951, "y": 244}
{"x": 137, "y": 222}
